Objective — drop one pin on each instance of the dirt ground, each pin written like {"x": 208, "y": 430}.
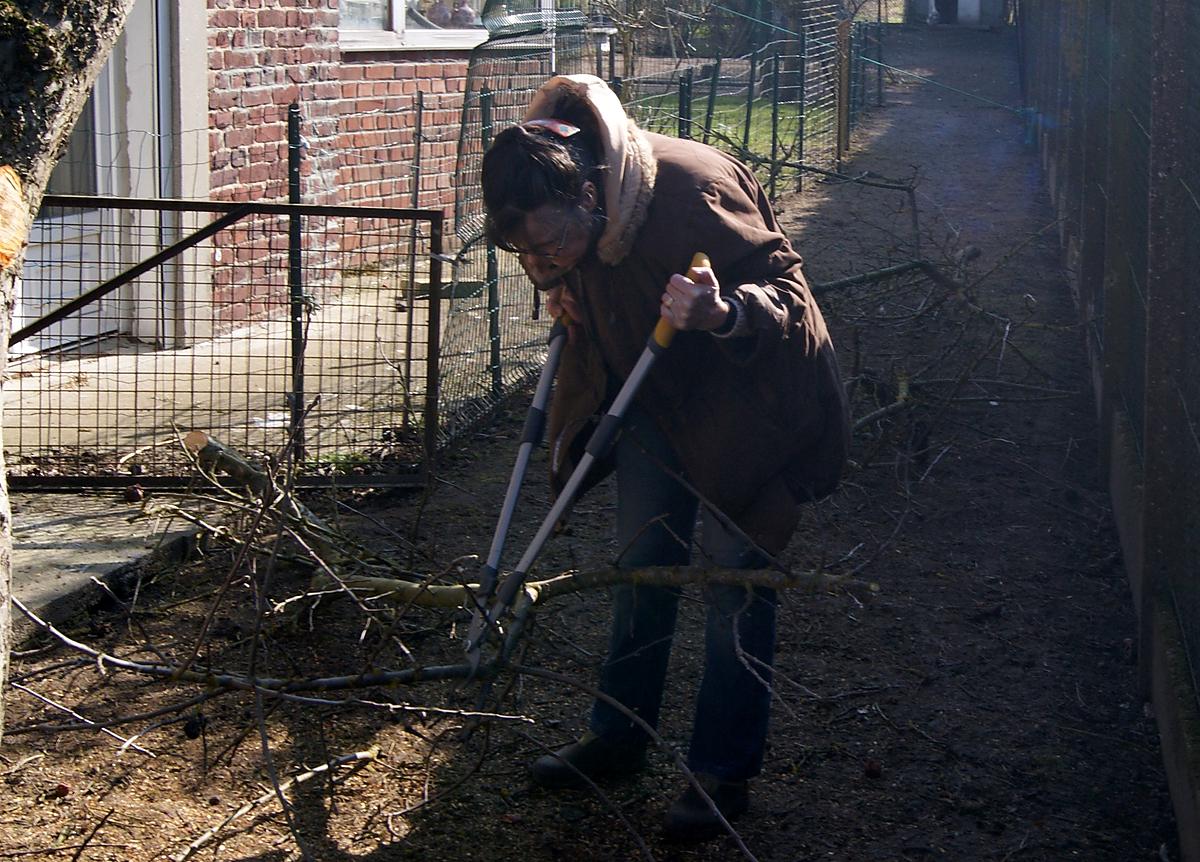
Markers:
{"x": 982, "y": 706}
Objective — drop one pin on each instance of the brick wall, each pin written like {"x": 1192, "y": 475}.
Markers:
{"x": 358, "y": 120}
{"x": 358, "y": 110}
{"x": 262, "y": 56}
{"x": 376, "y": 139}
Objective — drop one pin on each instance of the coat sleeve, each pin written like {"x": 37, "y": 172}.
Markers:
{"x": 788, "y": 340}
{"x": 733, "y": 222}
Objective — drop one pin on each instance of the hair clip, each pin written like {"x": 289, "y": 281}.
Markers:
{"x": 558, "y": 127}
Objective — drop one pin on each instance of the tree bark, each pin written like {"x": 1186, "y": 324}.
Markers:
{"x": 51, "y": 52}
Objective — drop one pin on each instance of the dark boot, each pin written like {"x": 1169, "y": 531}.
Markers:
{"x": 592, "y": 756}
{"x": 690, "y": 819}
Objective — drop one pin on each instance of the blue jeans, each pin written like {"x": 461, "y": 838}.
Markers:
{"x": 655, "y": 519}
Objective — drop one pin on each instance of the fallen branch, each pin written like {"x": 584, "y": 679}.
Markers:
{"x": 536, "y": 591}
{"x": 453, "y": 596}
{"x": 213, "y": 679}
{"x": 213, "y": 456}
{"x": 903, "y": 401}
{"x": 869, "y": 277}
{"x": 91, "y": 835}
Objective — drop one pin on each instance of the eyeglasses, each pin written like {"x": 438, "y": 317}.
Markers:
{"x": 540, "y": 252}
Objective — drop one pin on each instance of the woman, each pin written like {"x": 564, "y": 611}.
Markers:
{"x": 744, "y": 415}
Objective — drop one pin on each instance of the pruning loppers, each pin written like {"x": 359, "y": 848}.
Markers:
{"x": 597, "y": 446}
{"x": 531, "y": 436}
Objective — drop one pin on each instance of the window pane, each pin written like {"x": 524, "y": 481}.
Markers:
{"x": 445, "y": 14}
{"x": 75, "y": 173}
{"x": 363, "y": 14}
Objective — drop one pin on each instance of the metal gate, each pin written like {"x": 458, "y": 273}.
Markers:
{"x": 283, "y": 330}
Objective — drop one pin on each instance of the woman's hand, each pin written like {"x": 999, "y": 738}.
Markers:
{"x": 688, "y": 304}
{"x": 559, "y": 300}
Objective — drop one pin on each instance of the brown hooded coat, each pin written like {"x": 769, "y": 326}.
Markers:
{"x": 759, "y": 421}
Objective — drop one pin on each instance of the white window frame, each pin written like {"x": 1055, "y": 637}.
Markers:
{"x": 401, "y": 39}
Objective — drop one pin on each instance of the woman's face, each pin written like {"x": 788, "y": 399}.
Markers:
{"x": 554, "y": 238}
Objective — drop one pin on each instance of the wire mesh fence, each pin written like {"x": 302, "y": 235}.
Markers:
{"x": 284, "y": 331}
{"x": 866, "y": 68}
{"x": 1111, "y": 90}
{"x": 886, "y": 11}
{"x": 493, "y": 340}
{"x": 775, "y": 108}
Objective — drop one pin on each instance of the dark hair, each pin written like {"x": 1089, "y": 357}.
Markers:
{"x": 527, "y": 167}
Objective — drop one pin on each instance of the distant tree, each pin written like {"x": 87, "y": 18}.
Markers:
{"x": 649, "y": 27}
{"x": 50, "y": 54}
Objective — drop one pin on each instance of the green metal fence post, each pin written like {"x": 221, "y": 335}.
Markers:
{"x": 411, "y": 291}
{"x": 296, "y": 285}
{"x": 843, "y": 90}
{"x": 433, "y": 346}
{"x": 685, "y": 104}
{"x": 750, "y": 99}
{"x": 690, "y": 77}
{"x": 774, "y": 123}
{"x": 859, "y": 53}
{"x": 879, "y": 64}
{"x": 493, "y": 267}
{"x": 801, "y": 104}
{"x": 711, "y": 106}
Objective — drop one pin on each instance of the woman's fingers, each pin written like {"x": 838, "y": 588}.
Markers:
{"x": 694, "y": 304}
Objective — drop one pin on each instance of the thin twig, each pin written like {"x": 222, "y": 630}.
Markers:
{"x": 603, "y": 797}
{"x": 124, "y": 742}
{"x": 203, "y": 840}
{"x": 680, "y": 763}
{"x": 96, "y": 829}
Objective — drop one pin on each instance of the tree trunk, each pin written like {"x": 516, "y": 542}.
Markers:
{"x": 50, "y": 54}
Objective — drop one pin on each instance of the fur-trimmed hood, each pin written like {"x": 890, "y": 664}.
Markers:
{"x": 629, "y": 182}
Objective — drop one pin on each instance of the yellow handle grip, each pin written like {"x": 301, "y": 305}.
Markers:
{"x": 665, "y": 332}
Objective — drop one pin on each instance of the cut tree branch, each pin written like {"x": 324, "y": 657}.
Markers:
{"x": 445, "y": 596}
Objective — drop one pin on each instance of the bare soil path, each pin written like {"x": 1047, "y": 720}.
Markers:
{"x": 983, "y": 706}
